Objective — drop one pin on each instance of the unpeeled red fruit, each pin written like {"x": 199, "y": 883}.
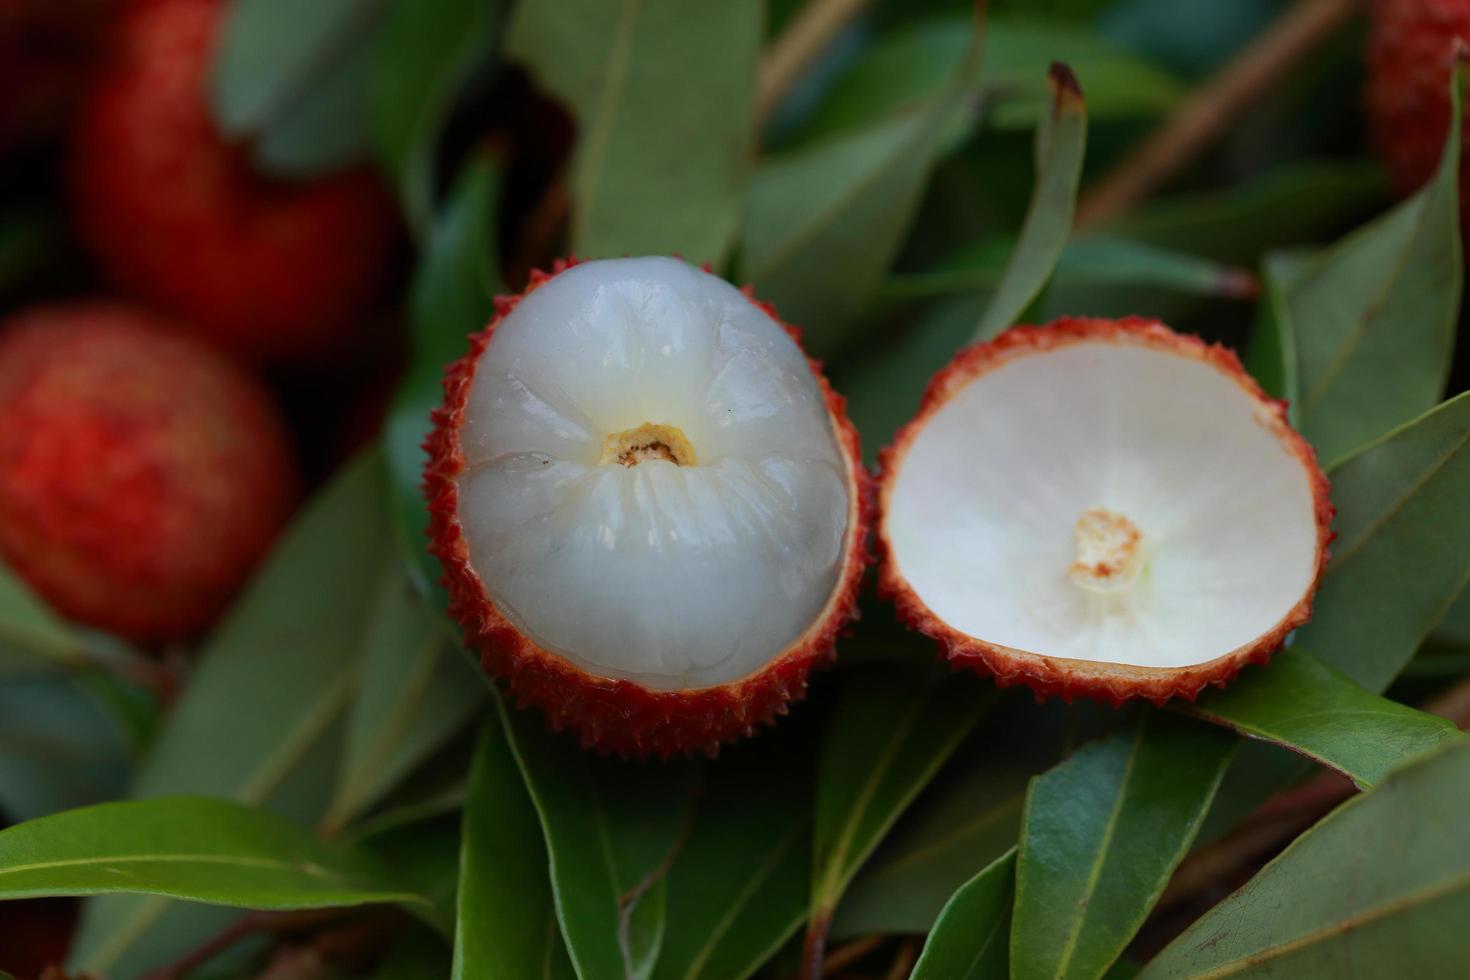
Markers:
{"x": 274, "y": 270}
{"x": 142, "y": 475}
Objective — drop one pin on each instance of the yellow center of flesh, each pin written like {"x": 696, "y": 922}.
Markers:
{"x": 646, "y": 442}
{"x": 1109, "y": 551}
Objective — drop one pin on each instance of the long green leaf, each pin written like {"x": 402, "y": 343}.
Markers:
{"x": 294, "y": 75}
{"x": 738, "y": 889}
{"x": 1374, "y": 318}
{"x": 1309, "y": 707}
{"x": 1271, "y": 356}
{"x": 823, "y": 223}
{"x": 507, "y": 924}
{"x": 192, "y": 848}
{"x": 891, "y": 730}
{"x": 453, "y": 296}
{"x": 268, "y": 698}
{"x": 663, "y": 92}
{"x": 417, "y": 691}
{"x": 32, "y": 637}
{"x": 1402, "y": 553}
{"x": 1061, "y": 144}
{"x": 969, "y": 939}
{"x": 425, "y": 54}
{"x": 1381, "y": 888}
{"x": 1101, "y": 836}
{"x": 612, "y": 830}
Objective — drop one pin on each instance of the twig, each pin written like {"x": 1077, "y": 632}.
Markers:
{"x": 904, "y": 961}
{"x": 798, "y": 46}
{"x": 845, "y": 956}
{"x": 1252, "y": 75}
{"x": 240, "y": 929}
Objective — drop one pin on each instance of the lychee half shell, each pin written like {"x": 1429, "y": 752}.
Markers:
{"x": 1102, "y": 508}
{"x": 649, "y": 505}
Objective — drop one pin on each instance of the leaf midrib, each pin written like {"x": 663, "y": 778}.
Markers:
{"x": 309, "y": 869}
{"x": 722, "y": 926}
{"x": 605, "y": 111}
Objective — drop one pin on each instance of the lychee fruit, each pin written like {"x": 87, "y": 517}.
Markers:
{"x": 649, "y": 505}
{"x": 274, "y": 270}
{"x": 1102, "y": 508}
{"x": 1411, "y": 54}
{"x": 142, "y": 475}
{"x": 47, "y": 52}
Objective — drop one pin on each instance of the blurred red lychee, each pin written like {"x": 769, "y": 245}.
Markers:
{"x": 1411, "y": 52}
{"x": 47, "y": 51}
{"x": 142, "y": 475}
{"x": 275, "y": 270}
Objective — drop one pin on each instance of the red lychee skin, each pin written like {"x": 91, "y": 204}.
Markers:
{"x": 617, "y": 716}
{"x": 1061, "y": 676}
{"x": 142, "y": 475}
{"x": 274, "y": 270}
{"x": 1411, "y": 53}
{"x": 48, "y": 49}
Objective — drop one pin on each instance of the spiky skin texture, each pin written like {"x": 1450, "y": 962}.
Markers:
{"x": 47, "y": 51}
{"x": 142, "y": 475}
{"x": 1411, "y": 52}
{"x": 1060, "y": 676}
{"x": 273, "y": 270}
{"x": 617, "y": 716}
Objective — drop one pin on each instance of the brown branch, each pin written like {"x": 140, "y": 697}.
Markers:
{"x": 845, "y": 956}
{"x": 247, "y": 925}
{"x": 806, "y": 37}
{"x": 1211, "y": 110}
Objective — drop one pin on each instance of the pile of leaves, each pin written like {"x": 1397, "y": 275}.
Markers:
{"x": 328, "y": 787}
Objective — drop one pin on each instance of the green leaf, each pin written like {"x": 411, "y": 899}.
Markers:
{"x": 1374, "y": 317}
{"x": 507, "y": 922}
{"x": 1271, "y": 355}
{"x": 611, "y": 830}
{"x": 1061, "y": 144}
{"x": 453, "y": 295}
{"x": 1309, "y": 707}
{"x": 938, "y": 847}
{"x": 269, "y": 697}
{"x": 1289, "y": 205}
{"x": 1102, "y": 834}
{"x": 1086, "y": 261}
{"x": 969, "y": 939}
{"x": 60, "y": 747}
{"x": 738, "y": 889}
{"x": 1402, "y": 554}
{"x": 417, "y": 690}
{"x": 295, "y": 76}
{"x": 426, "y": 52}
{"x": 914, "y": 63}
{"x": 823, "y": 223}
{"x": 663, "y": 92}
{"x": 1380, "y": 888}
{"x": 191, "y": 848}
{"x": 890, "y": 731}
{"x": 424, "y": 856}
{"x": 32, "y": 637}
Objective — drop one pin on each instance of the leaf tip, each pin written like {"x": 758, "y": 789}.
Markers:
{"x": 1066, "y": 90}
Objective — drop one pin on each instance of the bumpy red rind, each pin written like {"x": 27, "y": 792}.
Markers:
{"x": 1060, "y": 676}
{"x": 618, "y": 716}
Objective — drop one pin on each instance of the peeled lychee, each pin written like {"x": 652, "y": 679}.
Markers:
{"x": 274, "y": 270}
{"x": 1102, "y": 508}
{"x": 142, "y": 475}
{"x": 648, "y": 503}
{"x": 1411, "y": 53}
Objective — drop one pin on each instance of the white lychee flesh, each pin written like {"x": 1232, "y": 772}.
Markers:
{"x": 1105, "y": 501}
{"x": 653, "y": 486}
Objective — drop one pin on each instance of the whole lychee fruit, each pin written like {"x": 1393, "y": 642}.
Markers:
{"x": 274, "y": 270}
{"x": 1411, "y": 53}
{"x": 47, "y": 51}
{"x": 649, "y": 505}
{"x": 142, "y": 475}
{"x": 1103, "y": 508}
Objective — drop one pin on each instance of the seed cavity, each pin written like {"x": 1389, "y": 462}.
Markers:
{"x": 648, "y": 441}
{"x": 1109, "y": 551}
